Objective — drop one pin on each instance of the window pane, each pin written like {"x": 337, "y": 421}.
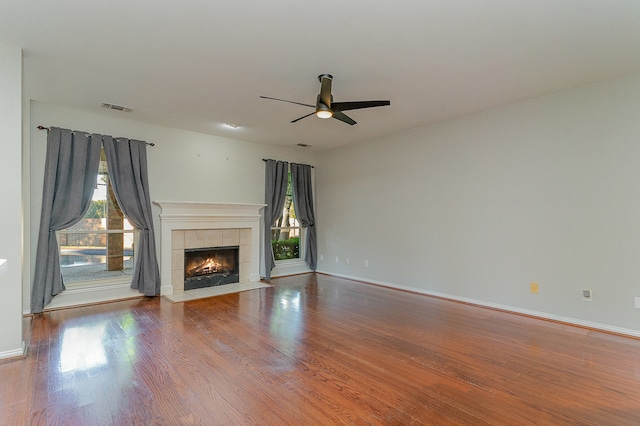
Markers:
{"x": 83, "y": 256}
{"x": 285, "y": 243}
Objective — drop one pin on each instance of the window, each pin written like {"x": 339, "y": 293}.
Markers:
{"x": 285, "y": 234}
{"x": 100, "y": 246}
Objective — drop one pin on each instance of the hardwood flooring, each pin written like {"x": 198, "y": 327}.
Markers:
{"x": 316, "y": 350}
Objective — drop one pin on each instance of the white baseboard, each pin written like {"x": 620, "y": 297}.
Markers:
{"x": 14, "y": 353}
{"x": 507, "y": 308}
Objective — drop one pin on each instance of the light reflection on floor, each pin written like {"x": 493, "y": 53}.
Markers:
{"x": 83, "y": 348}
{"x": 288, "y": 301}
{"x": 288, "y": 323}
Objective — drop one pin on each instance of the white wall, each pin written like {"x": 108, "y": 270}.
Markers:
{"x": 11, "y": 343}
{"x": 183, "y": 165}
{"x": 545, "y": 191}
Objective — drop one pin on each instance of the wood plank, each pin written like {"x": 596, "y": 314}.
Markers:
{"x": 315, "y": 349}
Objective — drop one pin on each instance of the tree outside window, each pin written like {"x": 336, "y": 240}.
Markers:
{"x": 285, "y": 233}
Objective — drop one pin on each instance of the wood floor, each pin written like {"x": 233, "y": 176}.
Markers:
{"x": 316, "y": 350}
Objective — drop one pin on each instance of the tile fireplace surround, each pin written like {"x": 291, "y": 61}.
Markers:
{"x": 186, "y": 225}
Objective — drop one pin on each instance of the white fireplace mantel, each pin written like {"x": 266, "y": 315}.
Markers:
{"x": 184, "y": 215}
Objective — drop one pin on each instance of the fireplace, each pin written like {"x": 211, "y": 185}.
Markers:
{"x": 208, "y": 267}
{"x": 195, "y": 225}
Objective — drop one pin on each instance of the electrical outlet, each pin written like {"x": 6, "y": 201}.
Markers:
{"x": 366, "y": 263}
{"x": 587, "y": 295}
{"x": 636, "y": 302}
{"x": 347, "y": 261}
{"x": 321, "y": 257}
{"x": 337, "y": 259}
{"x": 533, "y": 288}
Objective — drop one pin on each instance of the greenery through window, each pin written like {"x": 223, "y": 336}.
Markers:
{"x": 285, "y": 234}
{"x": 101, "y": 245}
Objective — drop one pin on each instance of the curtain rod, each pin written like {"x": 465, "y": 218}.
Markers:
{"x": 313, "y": 167}
{"x": 46, "y": 128}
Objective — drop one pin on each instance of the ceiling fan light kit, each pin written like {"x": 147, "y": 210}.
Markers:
{"x": 326, "y": 108}
{"x": 323, "y": 111}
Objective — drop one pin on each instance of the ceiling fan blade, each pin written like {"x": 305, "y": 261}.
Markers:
{"x": 325, "y": 89}
{"x": 346, "y": 106}
{"x": 304, "y": 116}
{"x": 343, "y": 117}
{"x": 284, "y": 100}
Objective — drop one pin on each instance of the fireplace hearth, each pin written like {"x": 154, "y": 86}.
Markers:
{"x": 208, "y": 267}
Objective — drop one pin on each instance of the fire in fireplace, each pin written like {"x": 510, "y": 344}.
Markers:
{"x": 208, "y": 267}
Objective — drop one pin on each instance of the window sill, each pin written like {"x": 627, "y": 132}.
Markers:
{"x": 289, "y": 267}
{"x": 92, "y": 292}
{"x": 92, "y": 284}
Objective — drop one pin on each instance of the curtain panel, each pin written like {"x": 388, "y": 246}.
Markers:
{"x": 127, "y": 165}
{"x": 71, "y": 170}
{"x": 276, "y": 179}
{"x": 303, "y": 202}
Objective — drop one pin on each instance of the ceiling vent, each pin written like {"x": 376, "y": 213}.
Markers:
{"x": 117, "y": 107}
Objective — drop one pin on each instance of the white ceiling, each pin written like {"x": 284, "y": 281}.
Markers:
{"x": 196, "y": 64}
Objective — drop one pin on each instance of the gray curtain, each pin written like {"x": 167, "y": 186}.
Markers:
{"x": 70, "y": 174}
{"x": 127, "y": 164}
{"x": 303, "y": 202}
{"x": 275, "y": 191}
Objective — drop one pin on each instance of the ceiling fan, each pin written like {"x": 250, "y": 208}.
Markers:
{"x": 326, "y": 108}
